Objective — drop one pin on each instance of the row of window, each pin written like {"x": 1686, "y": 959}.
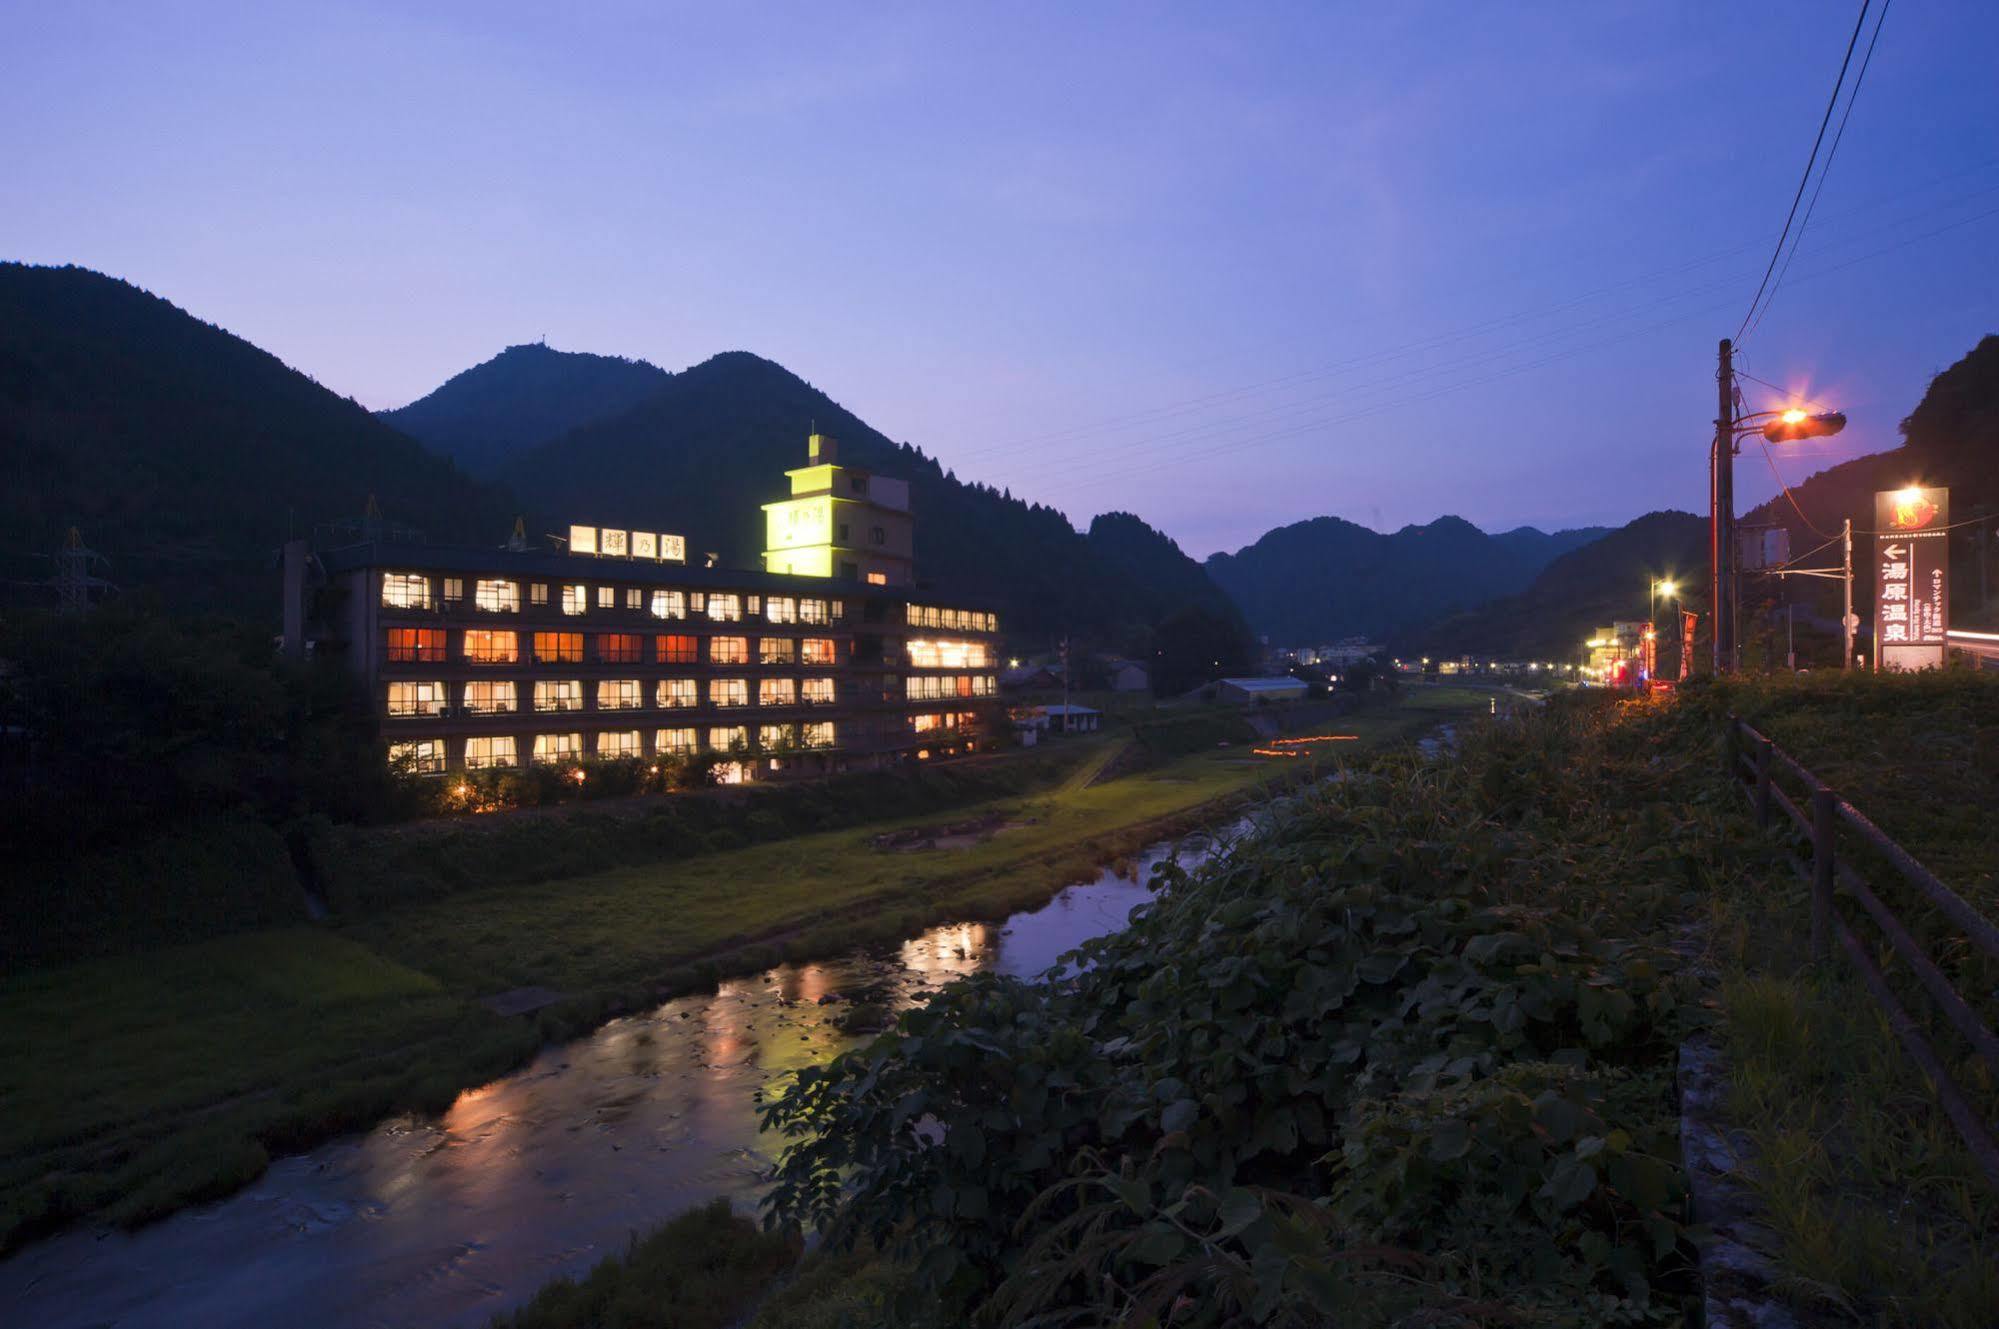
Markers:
{"x": 931, "y": 687}
{"x": 427, "y": 697}
{"x": 503, "y": 646}
{"x": 967, "y": 620}
{"x": 413, "y": 590}
{"x": 950, "y": 654}
{"x": 430, "y": 756}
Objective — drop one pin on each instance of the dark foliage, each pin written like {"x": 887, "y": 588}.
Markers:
{"x": 1320, "y": 580}
{"x": 1197, "y": 644}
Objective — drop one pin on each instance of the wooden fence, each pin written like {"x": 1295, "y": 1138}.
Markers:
{"x": 1821, "y": 817}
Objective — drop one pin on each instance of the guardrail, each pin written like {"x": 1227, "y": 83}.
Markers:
{"x": 1752, "y": 762}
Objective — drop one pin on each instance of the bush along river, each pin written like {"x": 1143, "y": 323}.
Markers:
{"x": 448, "y": 1220}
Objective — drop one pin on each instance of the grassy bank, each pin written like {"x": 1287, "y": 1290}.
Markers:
{"x": 137, "y": 1086}
{"x": 1875, "y": 1210}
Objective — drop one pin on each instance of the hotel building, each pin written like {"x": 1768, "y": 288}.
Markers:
{"x": 609, "y": 646}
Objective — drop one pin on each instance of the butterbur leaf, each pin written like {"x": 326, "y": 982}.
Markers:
{"x": 1156, "y": 1245}
{"x": 1239, "y": 1208}
{"x": 1449, "y": 1140}
{"x": 1179, "y": 1114}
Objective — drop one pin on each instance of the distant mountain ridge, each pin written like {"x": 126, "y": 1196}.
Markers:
{"x": 185, "y": 453}
{"x": 701, "y": 454}
{"x": 524, "y": 395}
{"x": 1326, "y": 578}
{"x": 1607, "y": 580}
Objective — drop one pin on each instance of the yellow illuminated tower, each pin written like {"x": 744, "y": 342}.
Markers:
{"x": 840, "y": 521}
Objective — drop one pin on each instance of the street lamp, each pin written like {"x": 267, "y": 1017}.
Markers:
{"x": 1786, "y": 426}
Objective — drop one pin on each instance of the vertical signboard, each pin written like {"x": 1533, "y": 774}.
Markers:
{"x": 1911, "y": 577}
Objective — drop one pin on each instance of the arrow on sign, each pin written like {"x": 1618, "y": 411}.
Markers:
{"x": 1894, "y": 551}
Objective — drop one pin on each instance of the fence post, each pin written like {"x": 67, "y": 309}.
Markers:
{"x": 1825, "y": 821}
{"x": 1762, "y": 782}
{"x": 1730, "y": 747}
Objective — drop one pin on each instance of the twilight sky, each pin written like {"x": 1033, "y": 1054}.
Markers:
{"x": 1224, "y": 266}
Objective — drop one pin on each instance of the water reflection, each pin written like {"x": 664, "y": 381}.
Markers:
{"x": 445, "y": 1221}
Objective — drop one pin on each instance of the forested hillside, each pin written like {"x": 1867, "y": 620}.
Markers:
{"x": 1602, "y": 582}
{"x": 704, "y": 452}
{"x": 185, "y": 453}
{"x": 1319, "y": 580}
{"x": 523, "y": 396}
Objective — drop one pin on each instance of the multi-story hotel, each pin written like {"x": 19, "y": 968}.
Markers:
{"x": 610, "y": 646}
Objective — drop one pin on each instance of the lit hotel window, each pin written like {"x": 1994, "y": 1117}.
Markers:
{"x": 552, "y": 748}
{"x": 674, "y": 693}
{"x": 816, "y": 735}
{"x": 818, "y": 651}
{"x": 676, "y": 742}
{"x": 776, "y": 737}
{"x": 728, "y": 692}
{"x": 877, "y": 579}
{"x": 558, "y": 695}
{"x": 575, "y": 599}
{"x": 776, "y": 650}
{"x": 486, "y": 646}
{"x": 812, "y": 611}
{"x": 728, "y": 650}
{"x": 619, "y": 694}
{"x": 538, "y": 594}
{"x": 777, "y": 692}
{"x": 950, "y": 654}
{"x": 618, "y": 743}
{"x": 558, "y": 647}
{"x": 486, "y": 753}
{"x": 405, "y": 590}
{"x": 669, "y": 604}
{"x": 423, "y": 757}
{"x": 674, "y": 648}
{"x": 634, "y": 598}
{"x": 619, "y": 647}
{"x": 725, "y": 608}
{"x": 607, "y": 597}
{"x": 817, "y": 691}
{"x": 781, "y": 609}
{"x": 491, "y": 699}
{"x": 730, "y": 772}
{"x": 416, "y": 645}
{"x": 497, "y": 597}
{"x": 729, "y": 738}
{"x": 454, "y": 591}
{"x": 422, "y": 698}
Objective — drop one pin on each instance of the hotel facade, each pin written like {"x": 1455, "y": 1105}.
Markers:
{"x": 607, "y": 646}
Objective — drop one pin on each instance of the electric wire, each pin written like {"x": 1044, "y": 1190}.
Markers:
{"x": 1859, "y": 78}
{"x": 1831, "y": 103}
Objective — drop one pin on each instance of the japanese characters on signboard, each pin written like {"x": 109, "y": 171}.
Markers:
{"x": 609, "y": 542}
{"x": 1912, "y": 577}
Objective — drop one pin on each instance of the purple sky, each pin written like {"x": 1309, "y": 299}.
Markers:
{"x": 1224, "y": 266}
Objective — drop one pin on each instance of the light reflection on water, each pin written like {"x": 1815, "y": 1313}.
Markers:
{"x": 445, "y": 1221}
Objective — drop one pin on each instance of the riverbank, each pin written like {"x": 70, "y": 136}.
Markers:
{"x": 139, "y": 1085}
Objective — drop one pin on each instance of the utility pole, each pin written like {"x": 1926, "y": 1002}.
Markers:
{"x": 1847, "y": 621}
{"x": 1721, "y": 521}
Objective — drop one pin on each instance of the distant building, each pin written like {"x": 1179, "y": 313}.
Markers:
{"x": 1349, "y": 650}
{"x": 1128, "y": 675}
{"x": 610, "y": 646}
{"x": 1073, "y": 719}
{"x": 1261, "y": 689}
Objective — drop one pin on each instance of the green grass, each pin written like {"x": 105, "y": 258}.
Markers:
{"x": 1876, "y": 1211}
{"x": 703, "y": 1270}
{"x": 135, "y": 1085}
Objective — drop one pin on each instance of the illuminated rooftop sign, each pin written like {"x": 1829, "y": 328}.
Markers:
{"x": 610, "y": 542}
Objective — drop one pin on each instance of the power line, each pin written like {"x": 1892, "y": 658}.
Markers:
{"x": 1826, "y": 170}
{"x": 1806, "y": 179}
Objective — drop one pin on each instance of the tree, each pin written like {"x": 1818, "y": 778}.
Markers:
{"x": 1196, "y": 643}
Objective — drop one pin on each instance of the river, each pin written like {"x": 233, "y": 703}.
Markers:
{"x": 444, "y": 1221}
